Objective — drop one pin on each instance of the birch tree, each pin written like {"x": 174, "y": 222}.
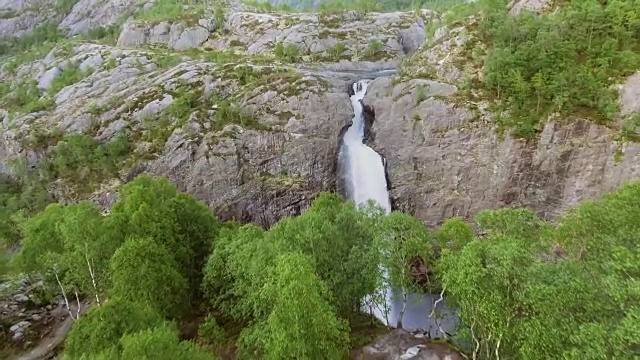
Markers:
{"x": 43, "y": 251}
{"x": 144, "y": 273}
{"x": 87, "y": 248}
{"x": 339, "y": 238}
{"x": 302, "y": 324}
{"x": 403, "y": 238}
{"x": 153, "y": 208}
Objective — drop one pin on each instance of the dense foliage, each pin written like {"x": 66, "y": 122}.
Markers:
{"x": 571, "y": 291}
{"x": 525, "y": 289}
{"x": 563, "y": 62}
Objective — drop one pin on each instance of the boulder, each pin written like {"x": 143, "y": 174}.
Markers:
{"x": 45, "y": 80}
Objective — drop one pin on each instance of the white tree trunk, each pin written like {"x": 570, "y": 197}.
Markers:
{"x": 93, "y": 279}
{"x": 433, "y": 312}
{"x": 78, "y": 301}
{"x": 64, "y": 295}
{"x": 404, "y": 308}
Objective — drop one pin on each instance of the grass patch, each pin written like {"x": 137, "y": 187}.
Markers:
{"x": 69, "y": 76}
{"x": 331, "y": 7}
{"x": 267, "y": 7}
{"x": 65, "y": 6}
{"x": 374, "y": 51}
{"x": 103, "y": 34}
{"x": 229, "y": 113}
{"x": 336, "y": 53}
{"x": 190, "y": 11}
{"x": 33, "y": 44}
{"x": 289, "y": 52}
{"x": 23, "y": 97}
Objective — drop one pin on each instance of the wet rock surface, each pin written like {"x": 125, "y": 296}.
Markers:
{"x": 399, "y": 344}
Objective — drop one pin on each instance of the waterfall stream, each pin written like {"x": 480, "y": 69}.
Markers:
{"x": 364, "y": 177}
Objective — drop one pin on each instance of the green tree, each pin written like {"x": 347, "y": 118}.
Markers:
{"x": 515, "y": 287}
{"x": 153, "y": 208}
{"x": 563, "y": 61}
{"x": 454, "y": 234}
{"x": 146, "y": 274}
{"x": 485, "y": 281}
{"x": 210, "y": 333}
{"x": 70, "y": 244}
{"x": 402, "y": 239}
{"x": 102, "y": 327}
{"x": 87, "y": 249}
{"x": 198, "y": 227}
{"x": 339, "y": 238}
{"x": 334, "y": 233}
{"x": 302, "y": 324}
{"x": 235, "y": 271}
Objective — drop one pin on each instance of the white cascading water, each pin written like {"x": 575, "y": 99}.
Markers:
{"x": 364, "y": 178}
{"x": 364, "y": 173}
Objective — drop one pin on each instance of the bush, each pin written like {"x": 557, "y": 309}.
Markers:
{"x": 160, "y": 343}
{"x": 210, "y": 333}
{"x": 81, "y": 157}
{"x": 287, "y": 52}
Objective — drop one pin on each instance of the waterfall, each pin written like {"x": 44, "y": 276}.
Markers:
{"x": 363, "y": 167}
{"x": 363, "y": 173}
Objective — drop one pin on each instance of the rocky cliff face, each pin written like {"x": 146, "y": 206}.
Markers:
{"x": 259, "y": 171}
{"x": 204, "y": 105}
{"x": 315, "y": 36}
{"x": 71, "y": 17}
{"x": 445, "y": 159}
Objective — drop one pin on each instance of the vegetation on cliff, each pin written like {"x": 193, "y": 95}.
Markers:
{"x": 525, "y": 289}
{"x": 564, "y": 62}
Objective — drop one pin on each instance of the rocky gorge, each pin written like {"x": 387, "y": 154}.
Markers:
{"x": 245, "y": 109}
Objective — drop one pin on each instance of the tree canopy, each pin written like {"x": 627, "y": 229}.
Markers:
{"x": 524, "y": 288}
{"x": 568, "y": 291}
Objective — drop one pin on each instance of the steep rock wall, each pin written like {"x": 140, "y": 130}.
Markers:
{"x": 446, "y": 160}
